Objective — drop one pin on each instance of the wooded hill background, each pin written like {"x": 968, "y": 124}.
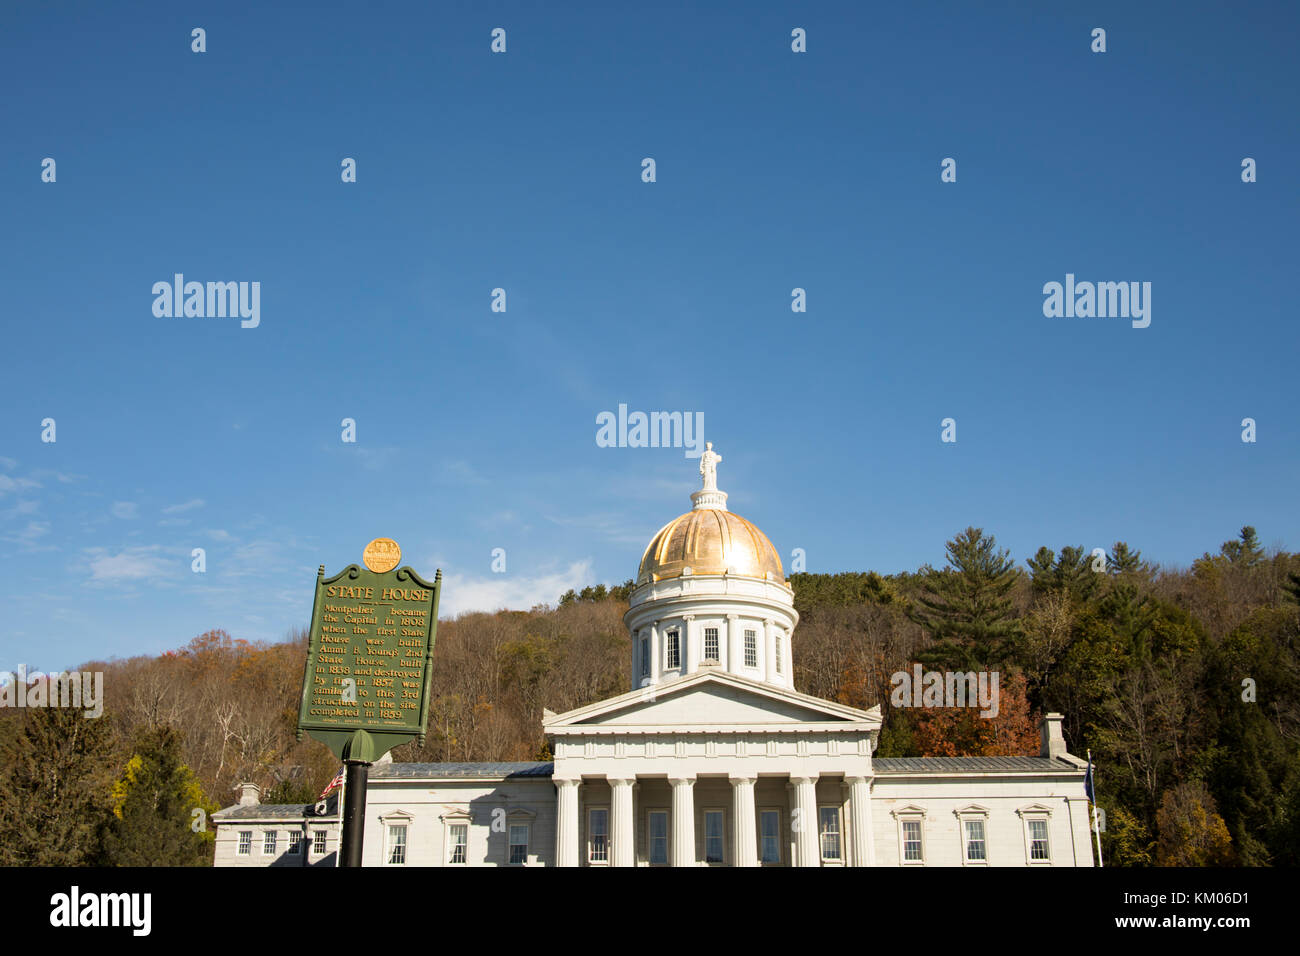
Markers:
{"x": 1185, "y": 684}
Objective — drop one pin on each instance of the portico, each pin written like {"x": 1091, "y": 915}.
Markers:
{"x": 714, "y": 769}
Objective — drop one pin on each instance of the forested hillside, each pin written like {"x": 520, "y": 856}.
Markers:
{"x": 1184, "y": 683}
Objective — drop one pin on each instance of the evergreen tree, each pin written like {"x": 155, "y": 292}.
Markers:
{"x": 1126, "y": 560}
{"x": 1245, "y": 552}
{"x": 1072, "y": 572}
{"x": 54, "y": 779}
{"x": 153, "y": 822}
{"x": 292, "y": 791}
{"x": 967, "y": 606}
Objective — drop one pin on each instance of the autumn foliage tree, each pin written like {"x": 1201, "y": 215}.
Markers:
{"x": 963, "y": 731}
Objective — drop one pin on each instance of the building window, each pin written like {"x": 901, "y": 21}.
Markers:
{"x": 975, "y": 848}
{"x": 769, "y": 831}
{"x": 751, "y": 648}
{"x": 292, "y": 843}
{"x": 645, "y": 656}
{"x": 778, "y": 652}
{"x": 318, "y": 842}
{"x": 518, "y": 843}
{"x": 714, "y": 850}
{"x": 673, "y": 649}
{"x": 245, "y": 842}
{"x": 459, "y": 843}
{"x": 268, "y": 843}
{"x": 829, "y": 820}
{"x": 913, "y": 849}
{"x": 1038, "y": 846}
{"x": 658, "y": 836}
{"x": 397, "y": 844}
{"x": 598, "y": 835}
{"x": 711, "y": 644}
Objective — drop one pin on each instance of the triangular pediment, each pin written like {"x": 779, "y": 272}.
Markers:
{"x": 712, "y": 699}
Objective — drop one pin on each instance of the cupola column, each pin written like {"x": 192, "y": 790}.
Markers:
{"x": 656, "y": 655}
{"x": 769, "y": 649}
{"x": 689, "y": 652}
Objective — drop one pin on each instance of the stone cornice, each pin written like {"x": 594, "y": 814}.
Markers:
{"x": 694, "y": 730}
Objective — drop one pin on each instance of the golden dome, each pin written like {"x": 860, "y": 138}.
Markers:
{"x": 709, "y": 541}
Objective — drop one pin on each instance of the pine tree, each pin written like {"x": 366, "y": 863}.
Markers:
{"x": 1126, "y": 560}
{"x": 1071, "y": 572}
{"x": 154, "y": 802}
{"x": 1246, "y": 551}
{"x": 967, "y": 606}
{"x": 54, "y": 778}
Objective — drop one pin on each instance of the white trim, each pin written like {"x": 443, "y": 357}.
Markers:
{"x": 780, "y": 830}
{"x": 1036, "y": 813}
{"x": 451, "y": 819}
{"x": 971, "y": 814}
{"x": 591, "y": 848}
{"x": 668, "y": 836}
{"x": 704, "y": 834}
{"x": 527, "y": 824}
{"x": 389, "y": 826}
{"x": 909, "y": 814}
{"x": 839, "y": 835}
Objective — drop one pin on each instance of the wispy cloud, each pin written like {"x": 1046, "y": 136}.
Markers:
{"x": 130, "y": 564}
{"x": 125, "y": 509}
{"x": 22, "y": 506}
{"x": 462, "y": 593}
{"x": 184, "y": 506}
{"x": 611, "y": 526}
{"x": 460, "y": 472}
{"x": 8, "y": 484}
{"x": 29, "y": 536}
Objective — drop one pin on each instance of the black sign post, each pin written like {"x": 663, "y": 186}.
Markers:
{"x": 366, "y": 686}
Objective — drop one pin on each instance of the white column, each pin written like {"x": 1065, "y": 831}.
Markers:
{"x": 804, "y": 821}
{"x": 766, "y": 656}
{"x": 690, "y": 655}
{"x": 566, "y": 823}
{"x": 656, "y": 654}
{"x": 745, "y": 832}
{"x": 862, "y": 847}
{"x": 732, "y": 663}
{"x": 621, "y": 824}
{"x": 683, "y": 821}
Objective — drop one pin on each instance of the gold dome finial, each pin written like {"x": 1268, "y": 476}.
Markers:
{"x": 709, "y": 539}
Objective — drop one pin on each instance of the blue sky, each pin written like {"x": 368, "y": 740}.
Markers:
{"x": 775, "y": 170}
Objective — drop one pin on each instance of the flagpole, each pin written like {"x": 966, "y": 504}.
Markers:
{"x": 1096, "y": 825}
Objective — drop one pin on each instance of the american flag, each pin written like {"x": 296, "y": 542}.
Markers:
{"x": 336, "y": 782}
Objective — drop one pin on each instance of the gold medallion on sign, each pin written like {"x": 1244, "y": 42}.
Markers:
{"x": 382, "y": 555}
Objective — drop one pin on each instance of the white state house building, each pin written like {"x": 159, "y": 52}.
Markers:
{"x": 712, "y": 759}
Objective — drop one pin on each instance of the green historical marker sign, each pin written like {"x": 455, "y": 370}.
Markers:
{"x": 366, "y": 688}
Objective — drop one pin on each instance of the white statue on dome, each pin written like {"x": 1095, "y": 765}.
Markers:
{"x": 709, "y": 467}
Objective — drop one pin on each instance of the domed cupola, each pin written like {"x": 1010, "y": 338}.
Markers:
{"x": 710, "y": 593}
